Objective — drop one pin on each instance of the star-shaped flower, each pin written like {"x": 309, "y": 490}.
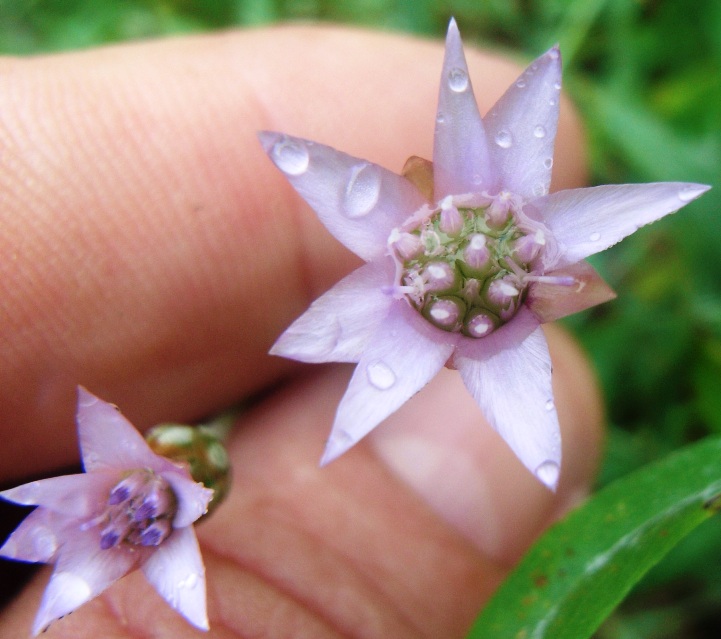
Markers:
{"x": 130, "y": 509}
{"x": 465, "y": 259}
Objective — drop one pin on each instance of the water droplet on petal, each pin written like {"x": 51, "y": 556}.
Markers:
{"x": 539, "y": 189}
{"x": 594, "y": 237}
{"x": 552, "y": 102}
{"x": 688, "y": 193}
{"x": 363, "y": 189}
{"x": 539, "y": 132}
{"x": 548, "y": 163}
{"x": 291, "y": 156}
{"x": 440, "y": 117}
{"x": 557, "y": 86}
{"x": 380, "y": 375}
{"x": 521, "y": 83}
{"x": 504, "y": 139}
{"x": 458, "y": 80}
{"x": 553, "y": 54}
{"x": 190, "y": 582}
{"x": 550, "y": 405}
{"x": 548, "y": 473}
{"x": 44, "y": 542}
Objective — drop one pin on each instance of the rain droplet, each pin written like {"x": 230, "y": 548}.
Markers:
{"x": 521, "y": 83}
{"x": 548, "y": 163}
{"x": 440, "y": 117}
{"x": 362, "y": 191}
{"x": 557, "y": 86}
{"x": 553, "y": 54}
{"x": 550, "y": 405}
{"x": 504, "y": 139}
{"x": 457, "y": 80}
{"x": 539, "y": 132}
{"x": 594, "y": 237}
{"x": 548, "y": 473}
{"x": 44, "y": 542}
{"x": 552, "y": 102}
{"x": 190, "y": 582}
{"x": 380, "y": 375}
{"x": 291, "y": 156}
{"x": 539, "y": 189}
{"x": 688, "y": 193}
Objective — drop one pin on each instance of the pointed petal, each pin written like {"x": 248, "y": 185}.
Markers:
{"x": 509, "y": 375}
{"x": 37, "y": 538}
{"x": 359, "y": 202}
{"x": 461, "y": 160}
{"x": 193, "y": 498}
{"x": 522, "y": 128}
{"x": 176, "y": 571}
{"x": 108, "y": 441}
{"x": 339, "y": 324}
{"x": 79, "y": 495}
{"x": 549, "y": 302}
{"x": 83, "y": 571}
{"x": 403, "y": 356}
{"x": 586, "y": 221}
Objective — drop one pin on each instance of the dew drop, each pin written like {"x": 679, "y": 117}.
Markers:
{"x": 548, "y": 163}
{"x": 362, "y": 191}
{"x": 440, "y": 117}
{"x": 548, "y": 473}
{"x": 521, "y": 84}
{"x": 190, "y": 582}
{"x": 688, "y": 193}
{"x": 553, "y": 54}
{"x": 458, "y": 80}
{"x": 552, "y": 102}
{"x": 504, "y": 139}
{"x": 550, "y": 405}
{"x": 594, "y": 237}
{"x": 539, "y": 132}
{"x": 380, "y": 375}
{"x": 44, "y": 543}
{"x": 557, "y": 86}
{"x": 539, "y": 189}
{"x": 291, "y": 156}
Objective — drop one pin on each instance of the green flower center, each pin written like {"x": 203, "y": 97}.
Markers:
{"x": 467, "y": 268}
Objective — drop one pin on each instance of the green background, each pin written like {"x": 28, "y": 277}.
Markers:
{"x": 646, "y": 76}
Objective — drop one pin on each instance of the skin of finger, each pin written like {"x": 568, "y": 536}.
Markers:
{"x": 349, "y": 550}
{"x": 151, "y": 251}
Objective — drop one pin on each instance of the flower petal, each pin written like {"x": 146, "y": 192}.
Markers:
{"x": 359, "y": 202}
{"x": 176, "y": 571}
{"x": 193, "y": 498}
{"x": 82, "y": 572}
{"x": 80, "y": 495}
{"x": 339, "y": 324}
{"x": 509, "y": 375}
{"x": 549, "y": 302}
{"x": 37, "y": 538}
{"x": 404, "y": 355}
{"x": 586, "y": 221}
{"x": 461, "y": 160}
{"x": 522, "y": 128}
{"x": 108, "y": 441}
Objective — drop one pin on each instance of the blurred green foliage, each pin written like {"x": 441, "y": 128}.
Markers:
{"x": 646, "y": 76}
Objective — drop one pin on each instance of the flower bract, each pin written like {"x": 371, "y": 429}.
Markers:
{"x": 466, "y": 257}
{"x": 130, "y": 509}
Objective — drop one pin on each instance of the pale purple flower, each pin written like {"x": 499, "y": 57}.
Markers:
{"x": 130, "y": 509}
{"x": 465, "y": 260}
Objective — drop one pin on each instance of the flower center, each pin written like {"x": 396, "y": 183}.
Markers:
{"x": 466, "y": 267}
{"x": 139, "y": 511}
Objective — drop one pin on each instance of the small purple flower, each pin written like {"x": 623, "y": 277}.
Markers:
{"x": 465, "y": 259}
{"x": 130, "y": 509}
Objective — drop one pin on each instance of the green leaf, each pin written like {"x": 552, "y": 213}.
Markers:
{"x": 582, "y": 567}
